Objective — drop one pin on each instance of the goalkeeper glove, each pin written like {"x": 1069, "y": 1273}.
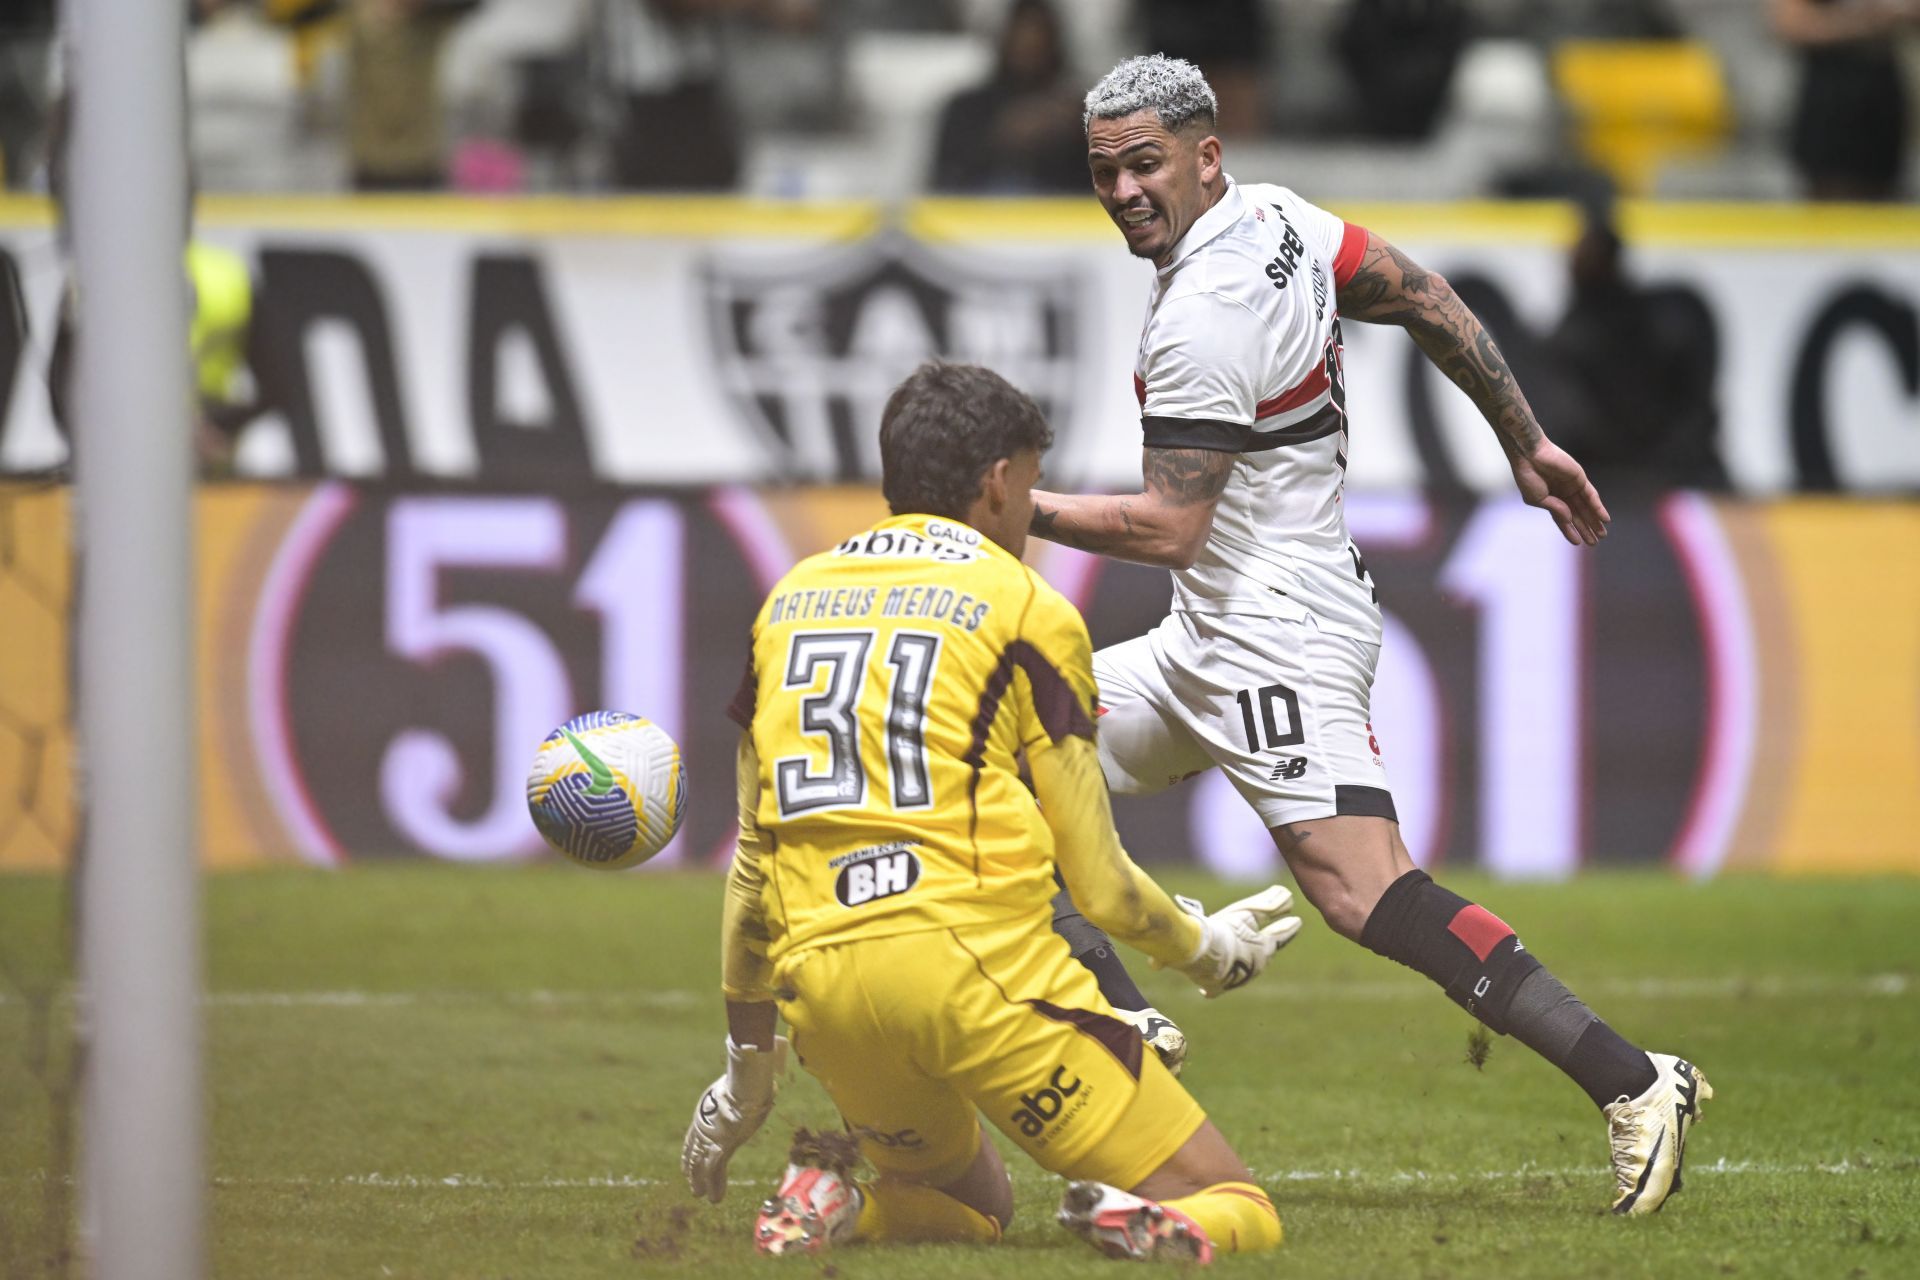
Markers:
{"x": 1237, "y": 941}
{"x": 730, "y": 1111}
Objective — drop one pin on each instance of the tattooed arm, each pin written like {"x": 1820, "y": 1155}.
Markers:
{"x": 1390, "y": 288}
{"x": 1165, "y": 524}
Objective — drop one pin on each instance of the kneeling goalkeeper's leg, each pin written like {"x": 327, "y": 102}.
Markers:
{"x": 821, "y": 1205}
{"x": 1095, "y": 952}
{"x": 972, "y": 1209}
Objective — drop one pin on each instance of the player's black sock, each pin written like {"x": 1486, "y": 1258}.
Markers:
{"x": 1116, "y": 984}
{"x": 1609, "y": 1066}
{"x": 1552, "y": 1021}
{"x": 1092, "y": 948}
{"x": 1480, "y": 963}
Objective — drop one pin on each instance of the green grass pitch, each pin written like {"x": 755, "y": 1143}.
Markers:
{"x": 431, "y": 1071}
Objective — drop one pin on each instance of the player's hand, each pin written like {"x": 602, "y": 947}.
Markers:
{"x": 1549, "y": 478}
{"x": 730, "y": 1111}
{"x": 1237, "y": 941}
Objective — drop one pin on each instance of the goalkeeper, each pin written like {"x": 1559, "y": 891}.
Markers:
{"x": 890, "y": 898}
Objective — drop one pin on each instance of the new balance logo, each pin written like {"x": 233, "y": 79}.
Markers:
{"x": 1292, "y": 769}
{"x": 1045, "y": 1104}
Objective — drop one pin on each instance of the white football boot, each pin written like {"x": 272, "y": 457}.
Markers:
{"x": 1161, "y": 1035}
{"x": 817, "y": 1204}
{"x": 1649, "y": 1134}
{"x": 1122, "y": 1225}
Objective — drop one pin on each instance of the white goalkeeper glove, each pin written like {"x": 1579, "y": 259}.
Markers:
{"x": 731, "y": 1111}
{"x": 1237, "y": 940}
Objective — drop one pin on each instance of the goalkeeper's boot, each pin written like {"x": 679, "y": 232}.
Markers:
{"x": 817, "y": 1203}
{"x": 1161, "y": 1035}
{"x": 1649, "y": 1134}
{"x": 1122, "y": 1225}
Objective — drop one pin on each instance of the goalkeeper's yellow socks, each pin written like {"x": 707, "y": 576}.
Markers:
{"x": 1237, "y": 1216}
{"x": 907, "y": 1212}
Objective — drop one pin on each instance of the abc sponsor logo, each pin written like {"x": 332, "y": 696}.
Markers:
{"x": 1051, "y": 1105}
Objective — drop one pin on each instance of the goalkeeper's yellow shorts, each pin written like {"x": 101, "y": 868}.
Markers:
{"x": 910, "y": 1033}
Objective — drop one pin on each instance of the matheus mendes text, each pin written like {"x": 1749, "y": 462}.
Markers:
{"x": 916, "y": 601}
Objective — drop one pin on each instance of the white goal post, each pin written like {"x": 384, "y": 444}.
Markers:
{"x": 126, "y": 200}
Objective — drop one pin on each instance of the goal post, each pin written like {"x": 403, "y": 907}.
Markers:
{"x": 127, "y": 194}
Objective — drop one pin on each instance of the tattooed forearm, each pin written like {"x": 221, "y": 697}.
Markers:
{"x": 1390, "y": 288}
{"x": 1186, "y": 477}
{"x": 1165, "y": 524}
{"x": 1045, "y": 523}
{"x": 1463, "y": 350}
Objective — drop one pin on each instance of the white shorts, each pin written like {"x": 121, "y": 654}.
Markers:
{"x": 1282, "y": 706}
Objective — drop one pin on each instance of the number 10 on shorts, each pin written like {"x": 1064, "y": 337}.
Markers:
{"x": 1263, "y": 732}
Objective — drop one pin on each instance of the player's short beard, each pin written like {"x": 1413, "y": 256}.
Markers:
{"x": 1137, "y": 251}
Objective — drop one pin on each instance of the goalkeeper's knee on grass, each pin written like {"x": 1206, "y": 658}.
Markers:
{"x": 910, "y": 1213}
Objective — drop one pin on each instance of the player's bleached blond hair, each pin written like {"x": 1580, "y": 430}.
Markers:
{"x": 1171, "y": 88}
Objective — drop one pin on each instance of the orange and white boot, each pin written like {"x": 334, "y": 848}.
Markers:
{"x": 1123, "y": 1225}
{"x": 817, "y": 1204}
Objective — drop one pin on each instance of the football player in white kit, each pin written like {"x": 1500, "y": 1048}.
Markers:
{"x": 1264, "y": 668}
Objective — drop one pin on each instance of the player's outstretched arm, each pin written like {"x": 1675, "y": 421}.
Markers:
{"x": 732, "y": 1109}
{"x": 1163, "y": 525}
{"x": 745, "y": 974}
{"x": 1218, "y": 952}
{"x": 1390, "y": 288}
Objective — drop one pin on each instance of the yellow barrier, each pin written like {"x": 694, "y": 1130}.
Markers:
{"x": 1652, "y": 223}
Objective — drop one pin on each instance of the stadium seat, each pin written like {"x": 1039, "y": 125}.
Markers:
{"x": 1636, "y": 104}
{"x": 900, "y": 82}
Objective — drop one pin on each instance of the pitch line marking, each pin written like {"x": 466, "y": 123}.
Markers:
{"x": 1909, "y": 1165}
{"x": 1886, "y": 985}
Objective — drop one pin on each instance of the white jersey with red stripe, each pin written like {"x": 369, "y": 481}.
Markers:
{"x": 1241, "y": 353}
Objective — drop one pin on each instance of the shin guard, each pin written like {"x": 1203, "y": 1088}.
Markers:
{"x": 1477, "y": 960}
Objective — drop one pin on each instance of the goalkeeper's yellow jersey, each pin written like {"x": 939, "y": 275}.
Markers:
{"x": 893, "y": 679}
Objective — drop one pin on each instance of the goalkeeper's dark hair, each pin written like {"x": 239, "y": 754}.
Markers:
{"x": 943, "y": 428}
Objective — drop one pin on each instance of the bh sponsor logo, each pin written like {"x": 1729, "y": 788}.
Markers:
{"x": 868, "y": 875}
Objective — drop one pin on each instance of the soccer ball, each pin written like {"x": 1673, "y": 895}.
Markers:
{"x": 608, "y": 789}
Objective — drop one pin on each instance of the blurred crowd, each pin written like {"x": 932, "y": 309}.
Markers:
{"x": 1349, "y": 99}
{"x": 1426, "y": 99}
